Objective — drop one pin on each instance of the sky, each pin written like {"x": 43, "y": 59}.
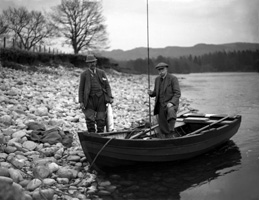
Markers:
{"x": 170, "y": 22}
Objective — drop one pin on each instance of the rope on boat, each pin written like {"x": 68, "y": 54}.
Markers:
{"x": 100, "y": 152}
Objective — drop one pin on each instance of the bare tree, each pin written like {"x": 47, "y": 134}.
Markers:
{"x": 3, "y": 26}
{"x": 81, "y": 23}
{"x": 28, "y": 28}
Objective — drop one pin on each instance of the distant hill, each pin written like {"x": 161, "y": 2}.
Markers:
{"x": 175, "y": 51}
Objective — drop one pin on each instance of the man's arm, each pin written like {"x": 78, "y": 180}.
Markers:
{"x": 81, "y": 88}
{"x": 153, "y": 93}
{"x": 176, "y": 91}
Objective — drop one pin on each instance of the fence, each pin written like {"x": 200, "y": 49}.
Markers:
{"x": 5, "y": 43}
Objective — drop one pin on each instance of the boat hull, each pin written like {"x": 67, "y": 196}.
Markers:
{"x": 105, "y": 152}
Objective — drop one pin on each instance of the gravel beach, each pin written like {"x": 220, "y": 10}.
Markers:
{"x": 48, "y": 100}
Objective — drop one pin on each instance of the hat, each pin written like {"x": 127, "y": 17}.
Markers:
{"x": 90, "y": 58}
{"x": 161, "y": 65}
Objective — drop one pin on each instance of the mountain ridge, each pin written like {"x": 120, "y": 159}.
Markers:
{"x": 177, "y": 51}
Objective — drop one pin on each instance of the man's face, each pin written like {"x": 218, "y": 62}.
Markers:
{"x": 91, "y": 65}
{"x": 162, "y": 71}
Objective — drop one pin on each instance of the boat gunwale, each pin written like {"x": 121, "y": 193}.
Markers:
{"x": 206, "y": 133}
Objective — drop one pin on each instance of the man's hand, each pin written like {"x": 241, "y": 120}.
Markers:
{"x": 111, "y": 100}
{"x": 169, "y": 105}
{"x": 82, "y": 106}
{"x": 149, "y": 92}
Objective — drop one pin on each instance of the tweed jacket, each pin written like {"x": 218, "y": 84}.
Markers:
{"x": 171, "y": 91}
{"x": 85, "y": 86}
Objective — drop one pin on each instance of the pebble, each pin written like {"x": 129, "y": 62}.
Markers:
{"x": 73, "y": 158}
{"x": 65, "y": 172}
{"x": 63, "y": 180}
{"x": 16, "y": 175}
{"x": 46, "y": 194}
{"x": 3, "y": 156}
{"x": 41, "y": 171}
{"x": 6, "y": 119}
{"x": 103, "y": 192}
{"x": 30, "y": 145}
{"x": 49, "y": 181}
{"x": 10, "y": 149}
{"x": 105, "y": 183}
{"x": 33, "y": 184}
{"x": 41, "y": 111}
{"x": 18, "y": 163}
{"x": 19, "y": 134}
{"x": 53, "y": 167}
{"x": 4, "y": 172}
{"x": 6, "y": 180}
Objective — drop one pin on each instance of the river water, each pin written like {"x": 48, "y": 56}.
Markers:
{"x": 229, "y": 172}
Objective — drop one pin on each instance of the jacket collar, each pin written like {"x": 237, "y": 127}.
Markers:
{"x": 166, "y": 79}
{"x": 92, "y": 71}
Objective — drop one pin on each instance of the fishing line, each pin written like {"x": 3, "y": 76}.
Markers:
{"x": 149, "y": 101}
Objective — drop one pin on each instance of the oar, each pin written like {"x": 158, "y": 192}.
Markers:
{"x": 153, "y": 127}
{"x": 208, "y": 126}
{"x": 144, "y": 132}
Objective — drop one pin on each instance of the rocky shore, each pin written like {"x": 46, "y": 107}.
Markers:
{"x": 48, "y": 99}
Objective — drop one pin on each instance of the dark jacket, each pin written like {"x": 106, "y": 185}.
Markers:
{"x": 85, "y": 86}
{"x": 171, "y": 91}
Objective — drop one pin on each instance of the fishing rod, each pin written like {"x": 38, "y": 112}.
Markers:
{"x": 149, "y": 101}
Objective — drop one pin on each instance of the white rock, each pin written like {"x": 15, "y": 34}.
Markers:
{"x": 49, "y": 181}
{"x": 10, "y": 149}
{"x": 13, "y": 92}
{"x": 6, "y": 119}
{"x": 8, "y": 131}
{"x": 53, "y": 167}
{"x": 41, "y": 111}
{"x": 63, "y": 180}
{"x": 18, "y": 163}
{"x": 33, "y": 184}
{"x": 30, "y": 145}
{"x": 3, "y": 155}
{"x": 19, "y": 134}
{"x": 4, "y": 179}
{"x": 39, "y": 194}
{"x": 73, "y": 158}
{"x": 17, "y": 186}
{"x": 16, "y": 175}
{"x": 56, "y": 122}
{"x": 65, "y": 172}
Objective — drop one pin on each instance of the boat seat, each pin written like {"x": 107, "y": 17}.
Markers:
{"x": 196, "y": 120}
{"x": 202, "y": 120}
{"x": 178, "y": 124}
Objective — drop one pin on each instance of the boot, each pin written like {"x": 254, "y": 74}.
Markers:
{"x": 171, "y": 124}
{"x": 100, "y": 121}
{"x": 100, "y": 126}
{"x": 173, "y": 133}
{"x": 91, "y": 127}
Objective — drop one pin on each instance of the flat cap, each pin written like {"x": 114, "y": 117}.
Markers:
{"x": 90, "y": 58}
{"x": 161, "y": 65}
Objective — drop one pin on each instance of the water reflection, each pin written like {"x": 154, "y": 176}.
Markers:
{"x": 167, "y": 181}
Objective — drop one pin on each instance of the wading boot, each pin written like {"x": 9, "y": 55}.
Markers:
{"x": 91, "y": 127}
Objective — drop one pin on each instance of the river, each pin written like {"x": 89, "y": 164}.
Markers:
{"x": 228, "y": 172}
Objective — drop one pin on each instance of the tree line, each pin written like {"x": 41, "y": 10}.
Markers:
{"x": 79, "y": 24}
{"x": 236, "y": 61}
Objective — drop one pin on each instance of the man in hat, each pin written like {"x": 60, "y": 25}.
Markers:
{"x": 94, "y": 94}
{"x": 167, "y": 93}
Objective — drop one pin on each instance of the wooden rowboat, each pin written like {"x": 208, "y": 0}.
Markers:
{"x": 200, "y": 133}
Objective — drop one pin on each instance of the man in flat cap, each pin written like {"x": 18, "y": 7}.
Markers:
{"x": 167, "y": 93}
{"x": 94, "y": 94}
